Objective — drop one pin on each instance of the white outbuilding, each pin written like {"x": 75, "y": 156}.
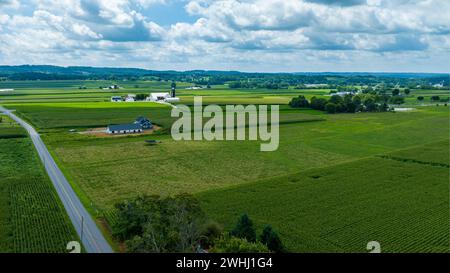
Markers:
{"x": 158, "y": 96}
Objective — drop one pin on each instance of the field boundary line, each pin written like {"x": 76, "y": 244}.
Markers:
{"x": 410, "y": 160}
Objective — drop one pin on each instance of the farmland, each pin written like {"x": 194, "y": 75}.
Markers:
{"x": 32, "y": 218}
{"x": 335, "y": 183}
{"x": 9, "y": 129}
{"x": 402, "y": 205}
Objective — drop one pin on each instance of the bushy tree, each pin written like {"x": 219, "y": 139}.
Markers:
{"x": 271, "y": 239}
{"x": 420, "y": 98}
{"x": 141, "y": 96}
{"x": 318, "y": 103}
{"x": 230, "y": 244}
{"x": 383, "y": 107}
{"x": 370, "y": 104}
{"x": 407, "y": 91}
{"x": 397, "y": 100}
{"x": 211, "y": 231}
{"x": 155, "y": 224}
{"x": 336, "y": 99}
{"x": 300, "y": 101}
{"x": 435, "y": 98}
{"x": 330, "y": 107}
{"x": 244, "y": 229}
{"x": 395, "y": 92}
{"x": 349, "y": 106}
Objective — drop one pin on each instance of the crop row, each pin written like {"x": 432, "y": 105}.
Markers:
{"x": 37, "y": 218}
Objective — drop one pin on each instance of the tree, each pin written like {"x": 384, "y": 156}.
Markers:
{"x": 397, "y": 100}
{"x": 395, "y": 92}
{"x": 336, "y": 99}
{"x": 340, "y": 108}
{"x": 382, "y": 107}
{"x": 407, "y": 91}
{"x": 141, "y": 96}
{"x": 229, "y": 244}
{"x": 244, "y": 229}
{"x": 420, "y": 98}
{"x": 369, "y": 103}
{"x": 357, "y": 100}
{"x": 271, "y": 239}
{"x": 330, "y": 108}
{"x": 435, "y": 98}
{"x": 318, "y": 103}
{"x": 211, "y": 231}
{"x": 300, "y": 101}
{"x": 155, "y": 224}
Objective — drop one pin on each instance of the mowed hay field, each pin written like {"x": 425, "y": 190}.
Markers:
{"x": 32, "y": 219}
{"x": 335, "y": 183}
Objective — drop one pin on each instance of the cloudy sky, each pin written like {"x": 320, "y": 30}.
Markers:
{"x": 245, "y": 35}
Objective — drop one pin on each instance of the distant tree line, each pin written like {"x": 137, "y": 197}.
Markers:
{"x": 348, "y": 103}
{"x": 234, "y": 78}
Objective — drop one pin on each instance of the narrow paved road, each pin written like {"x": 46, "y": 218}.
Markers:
{"x": 92, "y": 239}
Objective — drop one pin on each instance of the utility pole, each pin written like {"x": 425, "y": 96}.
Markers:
{"x": 82, "y": 225}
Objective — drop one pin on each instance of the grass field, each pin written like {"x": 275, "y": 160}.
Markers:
{"x": 32, "y": 218}
{"x": 335, "y": 183}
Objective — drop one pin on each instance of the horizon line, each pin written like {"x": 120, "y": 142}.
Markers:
{"x": 220, "y": 70}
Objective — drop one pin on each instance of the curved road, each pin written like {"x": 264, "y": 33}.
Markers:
{"x": 91, "y": 237}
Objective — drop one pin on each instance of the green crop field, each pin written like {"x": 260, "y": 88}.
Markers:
{"x": 335, "y": 183}
{"x": 72, "y": 115}
{"x": 32, "y": 218}
{"x": 402, "y": 205}
{"x": 9, "y": 129}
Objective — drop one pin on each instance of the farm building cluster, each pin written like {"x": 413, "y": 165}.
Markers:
{"x": 155, "y": 97}
{"x": 138, "y": 126}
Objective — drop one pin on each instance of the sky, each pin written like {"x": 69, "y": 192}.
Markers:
{"x": 243, "y": 35}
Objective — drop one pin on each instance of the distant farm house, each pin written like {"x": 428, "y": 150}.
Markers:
{"x": 115, "y": 86}
{"x": 144, "y": 123}
{"x": 140, "y": 124}
{"x": 116, "y": 99}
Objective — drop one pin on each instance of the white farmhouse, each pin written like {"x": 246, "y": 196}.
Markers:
{"x": 130, "y": 98}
